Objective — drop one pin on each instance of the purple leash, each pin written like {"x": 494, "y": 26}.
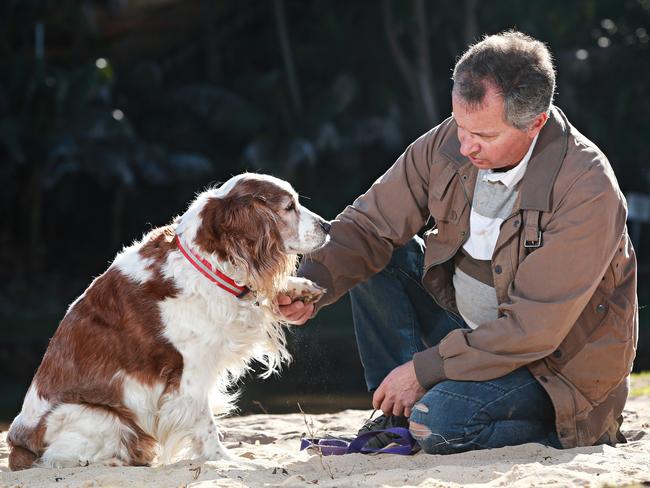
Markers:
{"x": 337, "y": 447}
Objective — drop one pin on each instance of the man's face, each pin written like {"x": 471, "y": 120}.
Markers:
{"x": 485, "y": 137}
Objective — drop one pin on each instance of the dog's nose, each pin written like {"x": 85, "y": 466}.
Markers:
{"x": 326, "y": 226}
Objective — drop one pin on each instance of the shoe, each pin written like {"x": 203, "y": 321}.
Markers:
{"x": 383, "y": 422}
{"x": 613, "y": 434}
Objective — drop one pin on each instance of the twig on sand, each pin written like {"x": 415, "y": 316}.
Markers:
{"x": 259, "y": 404}
{"x": 310, "y": 431}
{"x": 197, "y": 471}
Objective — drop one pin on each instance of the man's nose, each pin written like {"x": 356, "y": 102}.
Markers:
{"x": 467, "y": 147}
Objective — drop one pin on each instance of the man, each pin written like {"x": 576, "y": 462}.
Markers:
{"x": 515, "y": 318}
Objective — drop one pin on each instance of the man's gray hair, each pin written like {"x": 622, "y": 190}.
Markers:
{"x": 518, "y": 66}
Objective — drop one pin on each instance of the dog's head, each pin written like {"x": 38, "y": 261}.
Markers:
{"x": 256, "y": 223}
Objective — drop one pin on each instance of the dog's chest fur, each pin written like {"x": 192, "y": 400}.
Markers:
{"x": 216, "y": 333}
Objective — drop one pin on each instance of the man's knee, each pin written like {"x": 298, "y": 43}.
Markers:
{"x": 429, "y": 431}
{"x": 439, "y": 429}
{"x": 420, "y": 431}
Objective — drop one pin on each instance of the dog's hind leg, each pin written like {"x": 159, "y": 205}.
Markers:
{"x": 78, "y": 435}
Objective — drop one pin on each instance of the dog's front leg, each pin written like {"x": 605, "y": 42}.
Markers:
{"x": 206, "y": 442}
{"x": 304, "y": 290}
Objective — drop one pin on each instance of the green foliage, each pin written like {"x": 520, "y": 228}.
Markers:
{"x": 117, "y": 112}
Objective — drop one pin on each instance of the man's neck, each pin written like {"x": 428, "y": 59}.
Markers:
{"x": 506, "y": 168}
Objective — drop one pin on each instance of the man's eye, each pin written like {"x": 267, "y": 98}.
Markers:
{"x": 290, "y": 207}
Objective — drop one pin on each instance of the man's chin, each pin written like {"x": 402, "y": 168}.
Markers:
{"x": 480, "y": 163}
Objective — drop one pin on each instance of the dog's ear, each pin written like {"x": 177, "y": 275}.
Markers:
{"x": 243, "y": 229}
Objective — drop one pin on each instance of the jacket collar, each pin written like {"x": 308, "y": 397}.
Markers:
{"x": 543, "y": 166}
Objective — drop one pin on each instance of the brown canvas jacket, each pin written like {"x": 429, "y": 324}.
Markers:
{"x": 564, "y": 270}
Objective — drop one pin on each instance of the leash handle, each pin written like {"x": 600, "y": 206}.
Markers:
{"x": 327, "y": 447}
{"x": 337, "y": 447}
{"x": 404, "y": 441}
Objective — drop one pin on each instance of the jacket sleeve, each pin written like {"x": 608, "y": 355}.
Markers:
{"x": 364, "y": 235}
{"x": 550, "y": 289}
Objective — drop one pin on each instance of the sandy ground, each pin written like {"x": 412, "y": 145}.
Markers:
{"x": 270, "y": 446}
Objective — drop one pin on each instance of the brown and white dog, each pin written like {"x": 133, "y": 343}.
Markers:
{"x": 145, "y": 355}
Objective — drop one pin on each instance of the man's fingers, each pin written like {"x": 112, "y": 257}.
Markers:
{"x": 284, "y": 300}
{"x": 296, "y": 311}
{"x": 378, "y": 397}
{"x": 398, "y": 409}
{"x": 309, "y": 311}
{"x": 303, "y": 316}
{"x": 293, "y": 309}
{"x": 387, "y": 406}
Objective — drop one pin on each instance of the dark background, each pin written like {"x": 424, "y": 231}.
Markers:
{"x": 114, "y": 113}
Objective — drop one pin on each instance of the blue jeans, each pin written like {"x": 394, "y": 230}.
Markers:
{"x": 394, "y": 317}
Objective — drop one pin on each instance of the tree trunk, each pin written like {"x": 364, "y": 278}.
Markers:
{"x": 403, "y": 64}
{"x": 287, "y": 57}
{"x": 418, "y": 76}
{"x": 425, "y": 76}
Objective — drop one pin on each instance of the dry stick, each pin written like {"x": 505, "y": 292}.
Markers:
{"x": 197, "y": 471}
{"x": 259, "y": 404}
{"x": 310, "y": 431}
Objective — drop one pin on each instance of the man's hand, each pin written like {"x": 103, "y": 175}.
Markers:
{"x": 296, "y": 312}
{"x": 399, "y": 391}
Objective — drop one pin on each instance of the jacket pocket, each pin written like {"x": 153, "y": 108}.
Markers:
{"x": 446, "y": 197}
{"x": 602, "y": 360}
{"x": 598, "y": 313}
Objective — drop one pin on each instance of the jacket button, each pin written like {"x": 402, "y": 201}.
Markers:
{"x": 497, "y": 269}
{"x": 562, "y": 433}
{"x": 462, "y": 233}
{"x": 516, "y": 223}
{"x": 543, "y": 379}
{"x": 557, "y": 353}
{"x": 601, "y": 308}
{"x": 464, "y": 177}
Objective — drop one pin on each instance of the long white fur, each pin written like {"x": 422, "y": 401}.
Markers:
{"x": 34, "y": 407}
{"x": 216, "y": 333}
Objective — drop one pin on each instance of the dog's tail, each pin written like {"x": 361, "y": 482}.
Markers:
{"x": 25, "y": 444}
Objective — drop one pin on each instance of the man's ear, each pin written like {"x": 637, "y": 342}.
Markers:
{"x": 537, "y": 125}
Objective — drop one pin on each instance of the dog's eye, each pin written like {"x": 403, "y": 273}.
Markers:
{"x": 291, "y": 207}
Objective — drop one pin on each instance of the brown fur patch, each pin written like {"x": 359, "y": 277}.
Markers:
{"x": 115, "y": 326}
{"x": 244, "y": 228}
{"x": 21, "y": 458}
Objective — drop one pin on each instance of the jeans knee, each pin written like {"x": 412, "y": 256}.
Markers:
{"x": 438, "y": 431}
{"x": 432, "y": 441}
{"x": 419, "y": 432}
{"x": 423, "y": 429}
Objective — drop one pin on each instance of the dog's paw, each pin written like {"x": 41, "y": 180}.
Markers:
{"x": 304, "y": 290}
